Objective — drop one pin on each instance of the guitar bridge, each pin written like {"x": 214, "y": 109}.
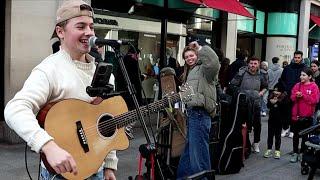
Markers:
{"x": 82, "y": 137}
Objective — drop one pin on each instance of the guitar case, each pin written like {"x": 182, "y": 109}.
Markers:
{"x": 228, "y": 152}
{"x": 172, "y": 128}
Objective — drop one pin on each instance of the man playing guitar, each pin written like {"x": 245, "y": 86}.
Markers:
{"x": 63, "y": 75}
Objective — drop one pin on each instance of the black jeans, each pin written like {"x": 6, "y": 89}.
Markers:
{"x": 256, "y": 124}
{"x": 297, "y": 126}
{"x": 255, "y": 117}
{"x": 274, "y": 130}
{"x": 286, "y": 116}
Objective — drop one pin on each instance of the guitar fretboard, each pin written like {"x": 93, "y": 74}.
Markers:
{"x": 131, "y": 116}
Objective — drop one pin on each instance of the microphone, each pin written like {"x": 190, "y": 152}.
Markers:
{"x": 93, "y": 41}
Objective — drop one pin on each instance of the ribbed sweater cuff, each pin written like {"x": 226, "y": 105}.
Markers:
{"x": 38, "y": 140}
{"x": 111, "y": 163}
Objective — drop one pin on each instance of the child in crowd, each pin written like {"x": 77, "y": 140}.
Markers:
{"x": 276, "y": 101}
{"x": 305, "y": 96}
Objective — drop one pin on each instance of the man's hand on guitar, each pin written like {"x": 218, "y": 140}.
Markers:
{"x": 109, "y": 174}
{"x": 59, "y": 159}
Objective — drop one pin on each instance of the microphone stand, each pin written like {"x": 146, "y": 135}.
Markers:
{"x": 150, "y": 147}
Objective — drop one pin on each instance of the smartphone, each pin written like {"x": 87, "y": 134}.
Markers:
{"x": 102, "y": 75}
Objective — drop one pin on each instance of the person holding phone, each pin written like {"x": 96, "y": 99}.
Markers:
{"x": 63, "y": 75}
{"x": 305, "y": 96}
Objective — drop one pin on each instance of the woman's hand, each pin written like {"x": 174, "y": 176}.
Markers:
{"x": 195, "y": 45}
{"x": 299, "y": 94}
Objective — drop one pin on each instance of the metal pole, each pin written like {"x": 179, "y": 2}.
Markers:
{"x": 163, "y": 42}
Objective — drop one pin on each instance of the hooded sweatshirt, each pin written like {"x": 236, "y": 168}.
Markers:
{"x": 274, "y": 73}
{"x": 304, "y": 106}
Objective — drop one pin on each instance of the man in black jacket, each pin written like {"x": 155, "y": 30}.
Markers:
{"x": 241, "y": 56}
{"x": 289, "y": 77}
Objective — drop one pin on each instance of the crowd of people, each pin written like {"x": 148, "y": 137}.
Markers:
{"x": 289, "y": 94}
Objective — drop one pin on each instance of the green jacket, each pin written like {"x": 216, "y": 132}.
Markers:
{"x": 203, "y": 78}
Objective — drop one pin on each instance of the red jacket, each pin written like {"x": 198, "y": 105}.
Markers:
{"x": 304, "y": 106}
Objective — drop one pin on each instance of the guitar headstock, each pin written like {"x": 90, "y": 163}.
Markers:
{"x": 186, "y": 92}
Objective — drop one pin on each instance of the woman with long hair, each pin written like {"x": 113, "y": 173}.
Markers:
{"x": 200, "y": 72}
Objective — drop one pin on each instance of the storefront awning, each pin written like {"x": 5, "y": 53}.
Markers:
{"x": 231, "y": 6}
{"x": 315, "y": 19}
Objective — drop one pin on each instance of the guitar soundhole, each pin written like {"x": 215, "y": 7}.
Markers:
{"x": 106, "y": 126}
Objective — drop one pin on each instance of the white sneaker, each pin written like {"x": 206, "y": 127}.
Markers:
{"x": 263, "y": 114}
{"x": 284, "y": 132}
{"x": 290, "y": 135}
{"x": 255, "y": 147}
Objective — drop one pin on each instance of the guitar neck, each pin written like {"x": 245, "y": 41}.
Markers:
{"x": 131, "y": 116}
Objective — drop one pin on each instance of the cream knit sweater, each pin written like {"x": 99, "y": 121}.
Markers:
{"x": 55, "y": 78}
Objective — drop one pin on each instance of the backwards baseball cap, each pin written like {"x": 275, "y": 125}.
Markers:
{"x": 71, "y": 9}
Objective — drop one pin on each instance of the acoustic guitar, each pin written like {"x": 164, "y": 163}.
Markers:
{"x": 89, "y": 132}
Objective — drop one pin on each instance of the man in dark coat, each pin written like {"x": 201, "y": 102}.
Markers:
{"x": 132, "y": 66}
{"x": 237, "y": 64}
{"x": 131, "y": 63}
{"x": 289, "y": 77}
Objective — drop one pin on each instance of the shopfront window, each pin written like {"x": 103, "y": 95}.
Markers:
{"x": 149, "y": 46}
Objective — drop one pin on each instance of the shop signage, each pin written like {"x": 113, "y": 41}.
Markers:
{"x": 282, "y": 47}
{"x": 137, "y": 25}
{"x": 106, "y": 21}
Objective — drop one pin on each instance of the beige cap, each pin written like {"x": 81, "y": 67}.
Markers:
{"x": 71, "y": 9}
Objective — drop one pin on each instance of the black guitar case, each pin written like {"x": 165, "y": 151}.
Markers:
{"x": 228, "y": 152}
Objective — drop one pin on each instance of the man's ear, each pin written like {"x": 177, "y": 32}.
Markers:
{"x": 60, "y": 32}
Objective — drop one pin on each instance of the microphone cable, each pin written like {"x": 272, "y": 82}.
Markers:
{"x": 26, "y": 163}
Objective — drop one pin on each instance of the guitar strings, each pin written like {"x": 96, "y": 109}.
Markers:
{"x": 111, "y": 124}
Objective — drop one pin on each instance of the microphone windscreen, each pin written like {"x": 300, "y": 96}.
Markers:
{"x": 92, "y": 41}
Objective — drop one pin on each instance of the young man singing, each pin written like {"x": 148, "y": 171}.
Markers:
{"x": 63, "y": 75}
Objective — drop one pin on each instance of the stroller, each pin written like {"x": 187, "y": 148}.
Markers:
{"x": 311, "y": 155}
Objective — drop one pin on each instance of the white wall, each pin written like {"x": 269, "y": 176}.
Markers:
{"x": 229, "y": 37}
{"x": 31, "y": 23}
